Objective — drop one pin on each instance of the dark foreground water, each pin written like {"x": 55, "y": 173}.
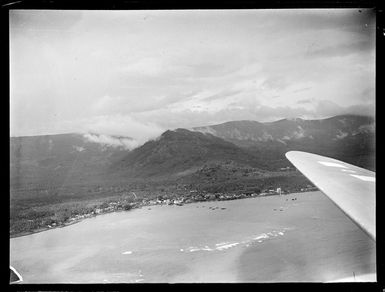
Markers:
{"x": 250, "y": 240}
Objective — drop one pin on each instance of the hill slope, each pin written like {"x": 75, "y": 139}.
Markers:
{"x": 55, "y": 177}
{"x": 181, "y": 152}
{"x": 74, "y": 164}
{"x": 52, "y": 161}
{"x": 73, "y": 159}
{"x": 348, "y": 137}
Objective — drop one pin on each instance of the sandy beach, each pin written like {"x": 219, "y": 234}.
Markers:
{"x": 297, "y": 237}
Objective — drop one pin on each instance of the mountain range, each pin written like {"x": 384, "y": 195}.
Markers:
{"x": 82, "y": 161}
{"x": 347, "y": 137}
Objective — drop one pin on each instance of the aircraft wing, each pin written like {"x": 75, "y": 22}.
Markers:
{"x": 350, "y": 187}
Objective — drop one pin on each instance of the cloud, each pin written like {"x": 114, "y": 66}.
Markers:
{"x": 154, "y": 67}
{"x": 305, "y": 101}
{"x": 125, "y": 143}
{"x": 344, "y": 49}
{"x": 188, "y": 118}
{"x": 361, "y": 109}
{"x": 120, "y": 125}
{"x": 277, "y": 82}
{"x": 139, "y": 102}
{"x": 301, "y": 89}
{"x": 367, "y": 94}
{"x": 268, "y": 113}
{"x": 222, "y": 94}
{"x": 329, "y": 108}
{"x": 137, "y": 73}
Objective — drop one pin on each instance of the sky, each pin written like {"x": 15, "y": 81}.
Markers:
{"x": 139, "y": 73}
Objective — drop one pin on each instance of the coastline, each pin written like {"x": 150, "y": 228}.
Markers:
{"x": 217, "y": 241}
{"x": 138, "y": 206}
{"x": 42, "y": 229}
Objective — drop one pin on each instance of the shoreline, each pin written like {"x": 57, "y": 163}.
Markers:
{"x": 311, "y": 240}
{"x": 42, "y": 229}
{"x": 62, "y": 225}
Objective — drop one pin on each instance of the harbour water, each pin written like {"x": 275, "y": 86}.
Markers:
{"x": 296, "y": 237}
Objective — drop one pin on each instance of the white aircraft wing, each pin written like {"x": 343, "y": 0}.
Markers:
{"x": 350, "y": 187}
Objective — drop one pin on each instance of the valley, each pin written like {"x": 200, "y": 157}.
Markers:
{"x": 60, "y": 179}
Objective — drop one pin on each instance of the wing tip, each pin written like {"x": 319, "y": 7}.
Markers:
{"x": 299, "y": 154}
{"x": 292, "y": 153}
{"x": 295, "y": 157}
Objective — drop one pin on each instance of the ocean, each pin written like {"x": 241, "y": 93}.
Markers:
{"x": 299, "y": 237}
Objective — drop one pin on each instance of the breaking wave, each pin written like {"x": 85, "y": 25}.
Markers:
{"x": 226, "y": 245}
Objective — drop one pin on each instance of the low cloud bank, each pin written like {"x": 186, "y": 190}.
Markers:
{"x": 120, "y": 131}
{"x": 112, "y": 141}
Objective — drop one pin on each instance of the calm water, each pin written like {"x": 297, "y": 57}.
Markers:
{"x": 308, "y": 239}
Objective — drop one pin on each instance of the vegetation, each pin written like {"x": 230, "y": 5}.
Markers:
{"x": 25, "y": 219}
{"x": 38, "y": 208}
{"x": 59, "y": 179}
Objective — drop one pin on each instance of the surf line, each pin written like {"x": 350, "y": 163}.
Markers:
{"x": 226, "y": 245}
